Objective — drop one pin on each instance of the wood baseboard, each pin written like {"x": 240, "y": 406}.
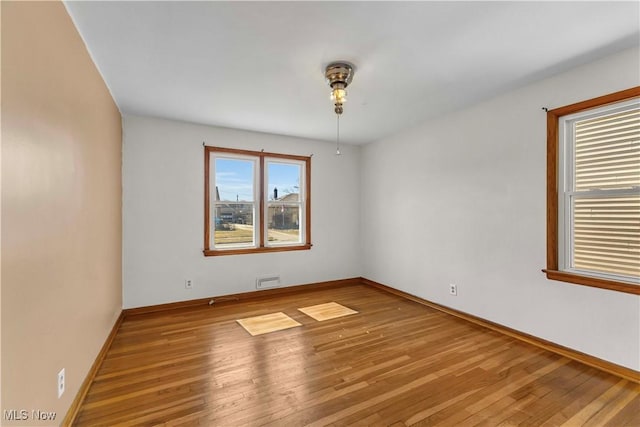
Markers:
{"x": 72, "y": 413}
{"x": 603, "y": 365}
{"x": 244, "y": 296}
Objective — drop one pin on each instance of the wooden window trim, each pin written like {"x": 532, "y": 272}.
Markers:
{"x": 261, "y": 155}
{"x": 553, "y": 117}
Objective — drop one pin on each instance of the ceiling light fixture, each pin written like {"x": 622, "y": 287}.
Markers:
{"x": 339, "y": 75}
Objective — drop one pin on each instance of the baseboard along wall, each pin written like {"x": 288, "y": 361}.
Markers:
{"x": 609, "y": 367}
{"x": 72, "y": 413}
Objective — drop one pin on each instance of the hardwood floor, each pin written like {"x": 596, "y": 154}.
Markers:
{"x": 394, "y": 363}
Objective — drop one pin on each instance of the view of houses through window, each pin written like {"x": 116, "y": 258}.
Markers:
{"x": 237, "y": 203}
{"x": 283, "y": 206}
{"x": 234, "y": 202}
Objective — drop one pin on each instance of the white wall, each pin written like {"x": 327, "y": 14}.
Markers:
{"x": 461, "y": 199}
{"x": 163, "y": 204}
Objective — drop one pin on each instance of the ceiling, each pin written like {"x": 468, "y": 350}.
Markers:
{"x": 259, "y": 65}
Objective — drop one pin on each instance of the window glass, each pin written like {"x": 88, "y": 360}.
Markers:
{"x": 234, "y": 180}
{"x": 233, "y": 205}
{"x": 283, "y": 207}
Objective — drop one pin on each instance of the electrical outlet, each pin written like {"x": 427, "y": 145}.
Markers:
{"x": 453, "y": 289}
{"x": 60, "y": 383}
{"x": 188, "y": 284}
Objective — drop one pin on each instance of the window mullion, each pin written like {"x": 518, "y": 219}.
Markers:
{"x": 260, "y": 201}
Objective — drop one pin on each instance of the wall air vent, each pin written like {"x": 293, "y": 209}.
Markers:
{"x": 271, "y": 281}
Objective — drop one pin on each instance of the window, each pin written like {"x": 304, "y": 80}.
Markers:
{"x": 593, "y": 192}
{"x": 256, "y": 202}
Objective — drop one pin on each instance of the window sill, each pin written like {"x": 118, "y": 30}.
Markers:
{"x": 210, "y": 252}
{"x": 592, "y": 281}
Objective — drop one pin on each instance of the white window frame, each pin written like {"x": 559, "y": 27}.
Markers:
{"x": 256, "y": 185}
{"x": 301, "y": 203}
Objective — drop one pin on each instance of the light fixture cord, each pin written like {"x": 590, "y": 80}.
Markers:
{"x": 338, "y": 135}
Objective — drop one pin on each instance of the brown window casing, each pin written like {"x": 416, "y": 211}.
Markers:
{"x": 552, "y": 271}
{"x": 260, "y": 231}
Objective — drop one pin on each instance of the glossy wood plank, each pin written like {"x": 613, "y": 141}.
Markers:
{"x": 396, "y": 362}
{"x": 267, "y": 323}
{"x": 327, "y": 311}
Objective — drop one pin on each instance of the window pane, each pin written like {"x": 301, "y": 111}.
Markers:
{"x": 607, "y": 151}
{"x": 234, "y": 180}
{"x": 233, "y": 224}
{"x": 284, "y": 181}
{"x": 607, "y": 235}
{"x": 283, "y": 223}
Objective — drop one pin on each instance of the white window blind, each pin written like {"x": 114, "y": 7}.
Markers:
{"x": 607, "y": 152}
{"x": 601, "y": 195}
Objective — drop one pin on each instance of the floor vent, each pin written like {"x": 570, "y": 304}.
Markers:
{"x": 267, "y": 282}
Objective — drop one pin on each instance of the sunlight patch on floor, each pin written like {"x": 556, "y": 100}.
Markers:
{"x": 266, "y": 323}
{"x": 330, "y": 310}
